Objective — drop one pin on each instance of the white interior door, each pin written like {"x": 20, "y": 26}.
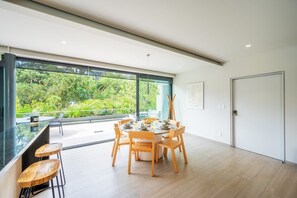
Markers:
{"x": 258, "y": 115}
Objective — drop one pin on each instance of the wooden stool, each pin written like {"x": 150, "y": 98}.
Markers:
{"x": 39, "y": 173}
{"x": 52, "y": 149}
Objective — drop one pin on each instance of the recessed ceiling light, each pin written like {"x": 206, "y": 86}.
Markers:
{"x": 248, "y": 45}
{"x": 180, "y": 67}
{"x": 64, "y": 42}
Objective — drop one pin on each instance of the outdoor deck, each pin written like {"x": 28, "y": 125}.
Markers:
{"x": 83, "y": 133}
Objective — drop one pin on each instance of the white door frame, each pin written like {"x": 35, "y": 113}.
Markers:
{"x": 232, "y": 132}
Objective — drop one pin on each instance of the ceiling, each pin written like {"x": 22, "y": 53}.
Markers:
{"x": 218, "y": 29}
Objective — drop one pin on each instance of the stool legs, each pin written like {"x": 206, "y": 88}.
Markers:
{"x": 61, "y": 182}
{"x": 58, "y": 186}
{"x": 59, "y": 156}
{"x": 27, "y": 191}
{"x": 53, "y": 190}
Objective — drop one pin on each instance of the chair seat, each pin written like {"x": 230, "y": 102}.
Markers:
{"x": 169, "y": 143}
{"x": 39, "y": 173}
{"x": 142, "y": 146}
{"x": 48, "y": 149}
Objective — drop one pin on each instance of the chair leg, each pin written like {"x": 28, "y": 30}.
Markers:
{"x": 129, "y": 160}
{"x": 157, "y": 154}
{"x": 174, "y": 160}
{"x": 115, "y": 154}
{"x": 112, "y": 152}
{"x": 165, "y": 152}
{"x": 179, "y": 146}
{"x": 136, "y": 155}
{"x": 184, "y": 153}
{"x": 62, "y": 129}
{"x": 153, "y": 160}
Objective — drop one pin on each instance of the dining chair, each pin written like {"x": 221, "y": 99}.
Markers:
{"x": 58, "y": 123}
{"x": 121, "y": 122}
{"x": 118, "y": 141}
{"x": 177, "y": 124}
{"x": 137, "y": 144}
{"x": 172, "y": 144}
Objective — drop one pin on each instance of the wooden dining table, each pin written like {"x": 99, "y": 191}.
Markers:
{"x": 158, "y": 131}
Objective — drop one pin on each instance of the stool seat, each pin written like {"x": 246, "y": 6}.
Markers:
{"x": 48, "y": 149}
{"x": 39, "y": 173}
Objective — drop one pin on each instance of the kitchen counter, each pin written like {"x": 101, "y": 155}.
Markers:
{"x": 16, "y": 141}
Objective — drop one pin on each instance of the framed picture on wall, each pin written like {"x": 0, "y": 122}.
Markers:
{"x": 195, "y": 95}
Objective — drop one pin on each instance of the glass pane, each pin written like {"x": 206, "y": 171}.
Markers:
{"x": 153, "y": 99}
{"x": 89, "y": 104}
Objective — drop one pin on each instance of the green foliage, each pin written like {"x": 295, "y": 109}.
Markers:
{"x": 78, "y": 95}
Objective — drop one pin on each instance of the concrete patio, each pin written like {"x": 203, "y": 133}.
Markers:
{"x": 83, "y": 133}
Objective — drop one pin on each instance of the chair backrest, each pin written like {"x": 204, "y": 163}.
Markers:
{"x": 177, "y": 132}
{"x": 121, "y": 122}
{"x": 143, "y": 135}
{"x": 174, "y": 122}
{"x": 60, "y": 116}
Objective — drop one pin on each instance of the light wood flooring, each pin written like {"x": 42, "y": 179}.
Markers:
{"x": 214, "y": 170}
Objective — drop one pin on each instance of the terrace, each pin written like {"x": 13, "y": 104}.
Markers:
{"x": 83, "y": 133}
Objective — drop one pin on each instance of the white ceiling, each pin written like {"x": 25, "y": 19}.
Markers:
{"x": 218, "y": 29}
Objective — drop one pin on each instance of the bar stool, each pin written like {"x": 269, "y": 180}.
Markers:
{"x": 39, "y": 173}
{"x": 47, "y": 150}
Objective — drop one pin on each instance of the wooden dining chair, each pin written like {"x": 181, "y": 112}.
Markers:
{"x": 118, "y": 141}
{"x": 137, "y": 145}
{"x": 121, "y": 122}
{"x": 172, "y": 144}
{"x": 177, "y": 124}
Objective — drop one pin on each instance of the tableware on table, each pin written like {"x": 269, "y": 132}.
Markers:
{"x": 127, "y": 126}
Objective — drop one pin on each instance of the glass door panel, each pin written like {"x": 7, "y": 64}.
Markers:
{"x": 153, "y": 98}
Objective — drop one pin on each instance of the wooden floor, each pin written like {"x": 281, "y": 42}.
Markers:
{"x": 214, "y": 170}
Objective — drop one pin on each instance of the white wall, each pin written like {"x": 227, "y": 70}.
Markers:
{"x": 212, "y": 121}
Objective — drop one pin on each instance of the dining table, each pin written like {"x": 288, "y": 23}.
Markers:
{"x": 158, "y": 127}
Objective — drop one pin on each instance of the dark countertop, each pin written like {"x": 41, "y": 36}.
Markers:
{"x": 15, "y": 141}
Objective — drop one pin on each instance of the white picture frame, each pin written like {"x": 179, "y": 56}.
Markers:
{"x": 195, "y": 95}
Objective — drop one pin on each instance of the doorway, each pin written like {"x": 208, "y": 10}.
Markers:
{"x": 258, "y": 114}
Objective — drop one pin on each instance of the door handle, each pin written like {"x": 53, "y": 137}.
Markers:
{"x": 234, "y": 112}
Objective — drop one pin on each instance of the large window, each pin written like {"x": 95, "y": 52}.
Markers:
{"x": 80, "y": 92}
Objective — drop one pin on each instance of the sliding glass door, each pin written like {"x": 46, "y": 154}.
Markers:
{"x": 93, "y": 96}
{"x": 153, "y": 97}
